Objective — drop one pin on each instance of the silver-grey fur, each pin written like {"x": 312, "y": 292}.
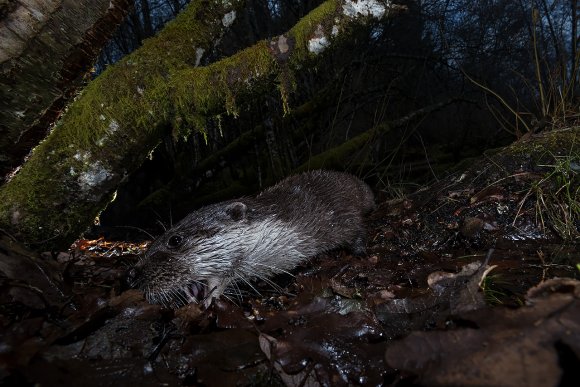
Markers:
{"x": 255, "y": 237}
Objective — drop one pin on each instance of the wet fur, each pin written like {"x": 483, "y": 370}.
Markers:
{"x": 256, "y": 237}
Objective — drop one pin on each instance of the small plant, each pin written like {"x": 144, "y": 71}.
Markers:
{"x": 491, "y": 286}
{"x": 557, "y": 197}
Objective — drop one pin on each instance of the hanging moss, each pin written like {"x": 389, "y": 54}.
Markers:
{"x": 215, "y": 89}
{"x": 104, "y": 134}
{"x": 118, "y": 119}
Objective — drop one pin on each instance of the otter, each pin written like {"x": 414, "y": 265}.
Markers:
{"x": 254, "y": 237}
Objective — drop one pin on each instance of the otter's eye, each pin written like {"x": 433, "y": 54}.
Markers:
{"x": 174, "y": 241}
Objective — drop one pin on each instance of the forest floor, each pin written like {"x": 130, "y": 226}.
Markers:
{"x": 472, "y": 281}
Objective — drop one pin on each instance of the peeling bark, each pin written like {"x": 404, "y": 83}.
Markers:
{"x": 46, "y": 48}
{"x": 120, "y": 117}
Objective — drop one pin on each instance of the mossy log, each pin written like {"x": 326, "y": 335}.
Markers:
{"x": 334, "y": 158}
{"x": 120, "y": 117}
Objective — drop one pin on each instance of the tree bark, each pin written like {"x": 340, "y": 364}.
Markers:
{"x": 120, "y": 117}
{"x": 46, "y": 47}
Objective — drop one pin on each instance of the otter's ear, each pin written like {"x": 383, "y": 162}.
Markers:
{"x": 236, "y": 210}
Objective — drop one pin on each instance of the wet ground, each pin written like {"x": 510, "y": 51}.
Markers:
{"x": 473, "y": 281}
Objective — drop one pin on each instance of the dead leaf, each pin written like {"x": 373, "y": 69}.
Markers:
{"x": 519, "y": 347}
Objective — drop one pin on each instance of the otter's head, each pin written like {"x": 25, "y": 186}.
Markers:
{"x": 194, "y": 260}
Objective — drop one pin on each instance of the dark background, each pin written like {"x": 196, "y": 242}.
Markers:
{"x": 481, "y": 74}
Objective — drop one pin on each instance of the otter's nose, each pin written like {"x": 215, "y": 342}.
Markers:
{"x": 131, "y": 277}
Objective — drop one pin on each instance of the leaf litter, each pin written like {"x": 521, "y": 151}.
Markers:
{"x": 461, "y": 286}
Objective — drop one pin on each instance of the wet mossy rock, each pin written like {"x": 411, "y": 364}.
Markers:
{"x": 545, "y": 169}
{"x": 543, "y": 147}
{"x": 119, "y": 118}
{"x": 540, "y": 153}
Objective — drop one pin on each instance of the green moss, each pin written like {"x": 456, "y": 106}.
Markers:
{"x": 202, "y": 92}
{"x": 117, "y": 120}
{"x": 551, "y": 187}
{"x": 300, "y": 34}
{"x": 109, "y": 129}
{"x": 552, "y": 141}
{"x": 303, "y": 31}
{"x": 156, "y": 85}
{"x": 335, "y": 157}
{"x": 190, "y": 29}
{"x": 142, "y": 96}
{"x": 37, "y": 205}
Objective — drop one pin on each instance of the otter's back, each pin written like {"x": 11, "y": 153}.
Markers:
{"x": 326, "y": 206}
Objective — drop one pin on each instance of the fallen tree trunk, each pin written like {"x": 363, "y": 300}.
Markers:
{"x": 121, "y": 116}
